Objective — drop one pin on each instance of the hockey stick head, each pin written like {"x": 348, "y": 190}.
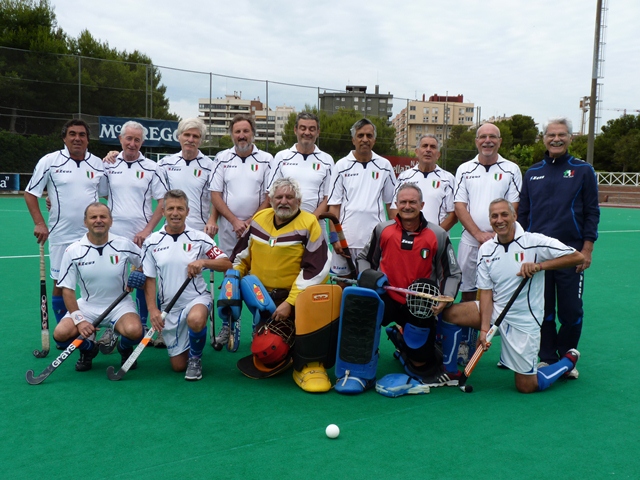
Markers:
{"x": 136, "y": 279}
{"x": 422, "y": 306}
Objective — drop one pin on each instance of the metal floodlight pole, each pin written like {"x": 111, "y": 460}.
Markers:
{"x": 79, "y": 86}
{"x": 594, "y": 85}
{"x": 267, "y": 110}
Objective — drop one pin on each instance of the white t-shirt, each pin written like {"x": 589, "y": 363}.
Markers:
{"x": 71, "y": 185}
{"x": 242, "y": 181}
{"x": 100, "y": 270}
{"x": 192, "y": 177}
{"x": 312, "y": 172}
{"x": 166, "y": 256}
{"x": 497, "y": 268}
{"x": 437, "y": 191}
{"x": 361, "y": 190}
{"x": 477, "y": 185}
{"x": 131, "y": 186}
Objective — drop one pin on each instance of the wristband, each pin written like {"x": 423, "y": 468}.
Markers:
{"x": 77, "y": 317}
{"x": 333, "y": 237}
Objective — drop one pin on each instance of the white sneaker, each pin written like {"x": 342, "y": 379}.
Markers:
{"x": 194, "y": 369}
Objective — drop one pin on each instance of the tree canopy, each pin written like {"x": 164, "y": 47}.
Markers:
{"x": 617, "y": 148}
{"x": 335, "y": 135}
{"x": 46, "y": 76}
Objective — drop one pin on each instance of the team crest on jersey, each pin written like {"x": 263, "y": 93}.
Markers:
{"x": 569, "y": 173}
{"x": 115, "y": 259}
{"x": 315, "y": 166}
{"x": 197, "y": 172}
{"x": 424, "y": 253}
{"x": 187, "y": 247}
{"x": 139, "y": 174}
{"x": 254, "y": 168}
{"x": 90, "y": 174}
{"x": 435, "y": 184}
{"x": 272, "y": 241}
{"x": 519, "y": 257}
{"x": 497, "y": 176}
{"x": 375, "y": 175}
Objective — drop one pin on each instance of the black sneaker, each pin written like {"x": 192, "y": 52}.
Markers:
{"x": 85, "y": 362}
{"x": 125, "y": 354}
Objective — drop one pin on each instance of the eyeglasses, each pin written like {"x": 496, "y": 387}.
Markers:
{"x": 556, "y": 135}
{"x": 487, "y": 137}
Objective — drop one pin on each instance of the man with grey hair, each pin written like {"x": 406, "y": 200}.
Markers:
{"x": 560, "y": 199}
{"x": 305, "y": 162}
{"x": 478, "y": 181}
{"x": 238, "y": 182}
{"x": 436, "y": 184}
{"x": 132, "y": 183}
{"x": 190, "y": 170}
{"x": 362, "y": 188}
{"x": 285, "y": 249}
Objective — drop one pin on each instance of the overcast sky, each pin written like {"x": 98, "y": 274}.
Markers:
{"x": 506, "y": 56}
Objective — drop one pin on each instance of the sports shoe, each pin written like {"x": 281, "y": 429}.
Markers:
{"x": 194, "y": 369}
{"x": 442, "y": 379}
{"x": 312, "y": 378}
{"x": 542, "y": 365}
{"x": 501, "y": 365}
{"x": 574, "y": 356}
{"x": 124, "y": 355}
{"x": 222, "y": 338}
{"x": 85, "y": 362}
{"x": 107, "y": 342}
{"x": 159, "y": 341}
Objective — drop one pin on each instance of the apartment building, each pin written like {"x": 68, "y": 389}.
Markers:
{"x": 356, "y": 98}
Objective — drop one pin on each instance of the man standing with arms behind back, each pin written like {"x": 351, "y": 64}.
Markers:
{"x": 307, "y": 164}
{"x": 435, "y": 183}
{"x": 479, "y": 181}
{"x": 560, "y": 199}
{"x": 71, "y": 177}
{"x": 362, "y": 188}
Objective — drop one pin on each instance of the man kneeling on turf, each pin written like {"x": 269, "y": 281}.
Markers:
{"x": 172, "y": 254}
{"x": 502, "y": 262}
{"x": 99, "y": 262}
{"x": 285, "y": 250}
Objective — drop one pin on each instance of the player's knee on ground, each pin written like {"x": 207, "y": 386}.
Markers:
{"x": 526, "y": 383}
{"x": 179, "y": 362}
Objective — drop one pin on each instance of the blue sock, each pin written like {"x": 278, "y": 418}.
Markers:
{"x": 142, "y": 307}
{"x": 450, "y": 344}
{"x": 548, "y": 375}
{"x": 59, "y": 308}
{"x": 126, "y": 343}
{"x": 63, "y": 345}
{"x": 86, "y": 345}
{"x": 197, "y": 341}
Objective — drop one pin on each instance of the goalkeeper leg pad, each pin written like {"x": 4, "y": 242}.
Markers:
{"x": 230, "y": 307}
{"x": 257, "y": 299}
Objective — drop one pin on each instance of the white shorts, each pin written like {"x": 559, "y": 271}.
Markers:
{"x": 227, "y": 238}
{"x": 55, "y": 259}
{"x": 339, "y": 264}
{"x": 176, "y": 331}
{"x": 519, "y": 349}
{"x": 468, "y": 261}
{"x": 91, "y": 312}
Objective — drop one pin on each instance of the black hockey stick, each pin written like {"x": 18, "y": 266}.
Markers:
{"x": 44, "y": 310}
{"x": 136, "y": 280}
{"x": 111, "y": 372}
{"x": 462, "y": 383}
{"x": 341, "y": 238}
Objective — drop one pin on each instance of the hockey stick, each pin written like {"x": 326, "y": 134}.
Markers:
{"x": 341, "y": 238}
{"x": 406, "y": 291}
{"x": 44, "y": 310}
{"x": 136, "y": 280}
{"x": 111, "y": 373}
{"x": 462, "y": 383}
